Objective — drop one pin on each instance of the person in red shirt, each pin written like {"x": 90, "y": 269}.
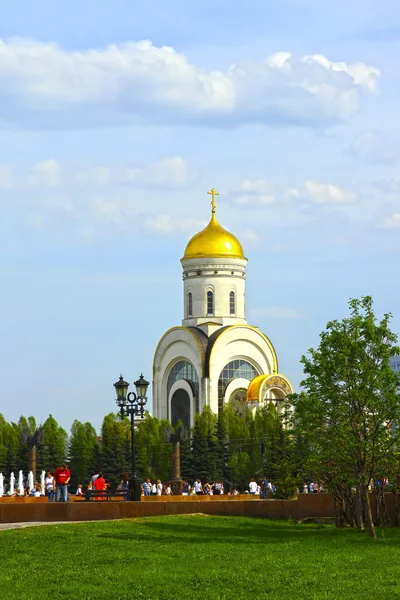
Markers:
{"x": 62, "y": 475}
{"x": 99, "y": 484}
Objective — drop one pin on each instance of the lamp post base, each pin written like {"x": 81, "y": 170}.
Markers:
{"x": 134, "y": 489}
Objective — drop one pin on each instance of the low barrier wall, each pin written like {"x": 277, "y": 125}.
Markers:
{"x": 204, "y": 498}
{"x": 321, "y": 505}
{"x": 32, "y": 499}
{"x": 16, "y": 510}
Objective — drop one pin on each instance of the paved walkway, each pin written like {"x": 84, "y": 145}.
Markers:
{"x": 4, "y": 526}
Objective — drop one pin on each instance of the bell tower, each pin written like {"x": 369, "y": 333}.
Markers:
{"x": 214, "y": 278}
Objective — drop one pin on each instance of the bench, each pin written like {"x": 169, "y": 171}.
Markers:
{"x": 104, "y": 495}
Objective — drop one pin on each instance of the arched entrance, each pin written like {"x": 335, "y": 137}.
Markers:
{"x": 180, "y": 408}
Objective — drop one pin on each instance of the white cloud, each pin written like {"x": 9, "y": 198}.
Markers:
{"x": 252, "y": 192}
{"x": 46, "y": 172}
{"x": 108, "y": 212}
{"x": 6, "y": 177}
{"x": 322, "y": 193}
{"x": 275, "y": 312}
{"x": 250, "y": 236}
{"x": 173, "y": 172}
{"x": 374, "y": 147}
{"x": 105, "y": 212}
{"x": 170, "y": 172}
{"x": 96, "y": 174}
{"x": 163, "y": 224}
{"x": 42, "y": 84}
{"x": 392, "y": 222}
{"x": 360, "y": 73}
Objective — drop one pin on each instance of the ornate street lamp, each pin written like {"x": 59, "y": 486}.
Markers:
{"x": 132, "y": 405}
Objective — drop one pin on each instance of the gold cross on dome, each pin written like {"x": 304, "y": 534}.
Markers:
{"x": 213, "y": 193}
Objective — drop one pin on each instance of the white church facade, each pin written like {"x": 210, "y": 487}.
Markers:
{"x": 215, "y": 356}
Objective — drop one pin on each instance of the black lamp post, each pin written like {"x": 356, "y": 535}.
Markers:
{"x": 132, "y": 405}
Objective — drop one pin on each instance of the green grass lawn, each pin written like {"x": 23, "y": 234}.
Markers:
{"x": 198, "y": 557}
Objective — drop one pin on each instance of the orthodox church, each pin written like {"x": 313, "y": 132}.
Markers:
{"x": 215, "y": 356}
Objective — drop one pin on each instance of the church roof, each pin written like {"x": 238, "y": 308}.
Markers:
{"x": 260, "y": 384}
{"x": 214, "y": 241}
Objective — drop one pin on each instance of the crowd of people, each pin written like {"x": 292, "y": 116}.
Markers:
{"x": 149, "y": 488}
{"x": 56, "y": 487}
{"x": 311, "y": 487}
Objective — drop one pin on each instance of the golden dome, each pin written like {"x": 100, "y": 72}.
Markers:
{"x": 214, "y": 241}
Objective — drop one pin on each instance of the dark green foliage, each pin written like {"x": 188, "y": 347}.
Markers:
{"x": 114, "y": 460}
{"x": 81, "y": 449}
{"x": 221, "y": 449}
{"x": 186, "y": 460}
{"x": 53, "y": 452}
{"x": 199, "y": 452}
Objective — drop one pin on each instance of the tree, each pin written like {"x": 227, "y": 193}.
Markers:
{"x": 351, "y": 398}
{"x": 222, "y": 448}
{"x": 199, "y": 451}
{"x": 26, "y": 427}
{"x": 115, "y": 434}
{"x": 81, "y": 449}
{"x": 10, "y": 434}
{"x": 153, "y": 452}
{"x": 52, "y": 453}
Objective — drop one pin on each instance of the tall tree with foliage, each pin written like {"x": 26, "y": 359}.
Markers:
{"x": 81, "y": 449}
{"x": 10, "y": 440}
{"x": 26, "y": 427}
{"x": 115, "y": 433}
{"x": 351, "y": 399}
{"x": 204, "y": 438}
{"x": 53, "y": 452}
{"x": 153, "y": 452}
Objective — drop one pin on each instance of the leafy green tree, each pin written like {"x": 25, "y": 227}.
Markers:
{"x": 222, "y": 449}
{"x": 10, "y": 434}
{"x": 186, "y": 459}
{"x": 204, "y": 446}
{"x": 153, "y": 452}
{"x": 199, "y": 467}
{"x": 52, "y": 453}
{"x": 3, "y": 445}
{"x": 240, "y": 467}
{"x": 81, "y": 448}
{"x": 114, "y": 435}
{"x": 27, "y": 427}
{"x": 351, "y": 399}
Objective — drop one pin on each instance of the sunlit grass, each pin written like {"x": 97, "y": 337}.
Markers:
{"x": 198, "y": 557}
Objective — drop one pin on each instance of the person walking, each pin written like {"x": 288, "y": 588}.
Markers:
{"x": 49, "y": 485}
{"x": 124, "y": 485}
{"x": 264, "y": 488}
{"x": 253, "y": 486}
{"x": 146, "y": 487}
{"x": 62, "y": 476}
{"x": 198, "y": 488}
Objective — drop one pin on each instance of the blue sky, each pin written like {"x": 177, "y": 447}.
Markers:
{"x": 115, "y": 120}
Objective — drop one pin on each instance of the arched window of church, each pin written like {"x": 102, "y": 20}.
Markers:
{"x": 183, "y": 370}
{"x": 232, "y": 307}
{"x": 190, "y": 304}
{"x": 236, "y": 369}
{"x": 210, "y": 303}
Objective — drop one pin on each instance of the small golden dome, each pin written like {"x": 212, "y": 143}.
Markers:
{"x": 214, "y": 241}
